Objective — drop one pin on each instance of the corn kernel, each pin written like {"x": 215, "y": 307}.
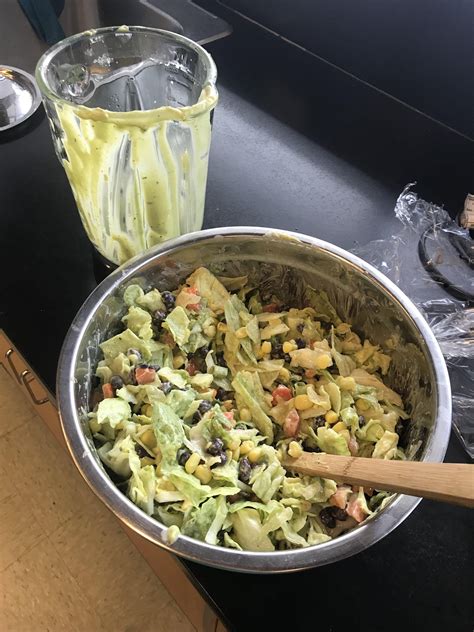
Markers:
{"x": 361, "y": 404}
{"x": 147, "y": 410}
{"x": 221, "y": 327}
{"x": 246, "y": 446}
{"x": 148, "y": 438}
{"x": 94, "y": 425}
{"x": 323, "y": 361}
{"x": 302, "y": 402}
{"x": 254, "y": 455}
{"x": 234, "y": 444}
{"x": 331, "y": 417}
{"x": 339, "y": 427}
{"x": 289, "y": 346}
{"x": 236, "y": 454}
{"x": 294, "y": 449}
{"x": 266, "y": 347}
{"x": 156, "y": 451}
{"x": 284, "y": 374}
{"x": 203, "y": 473}
{"x": 178, "y": 361}
{"x": 192, "y": 463}
{"x": 245, "y": 414}
{"x": 210, "y": 331}
{"x": 228, "y": 454}
{"x": 242, "y": 332}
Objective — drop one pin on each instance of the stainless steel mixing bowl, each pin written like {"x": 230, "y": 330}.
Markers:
{"x": 285, "y": 262}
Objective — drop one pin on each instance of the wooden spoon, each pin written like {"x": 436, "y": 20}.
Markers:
{"x": 447, "y": 482}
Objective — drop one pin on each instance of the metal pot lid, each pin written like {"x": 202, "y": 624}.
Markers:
{"x": 19, "y": 97}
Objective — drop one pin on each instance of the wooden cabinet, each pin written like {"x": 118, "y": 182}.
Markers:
{"x": 166, "y": 566}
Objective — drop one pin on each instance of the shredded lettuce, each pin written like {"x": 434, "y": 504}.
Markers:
{"x": 177, "y": 322}
{"x": 332, "y": 442}
{"x": 248, "y": 386}
{"x": 113, "y": 411}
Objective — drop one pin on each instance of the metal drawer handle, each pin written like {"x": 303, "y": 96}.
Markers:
{"x": 8, "y": 356}
{"x": 27, "y": 383}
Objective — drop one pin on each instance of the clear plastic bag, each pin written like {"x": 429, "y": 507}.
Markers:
{"x": 431, "y": 260}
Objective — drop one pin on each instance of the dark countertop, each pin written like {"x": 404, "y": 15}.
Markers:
{"x": 300, "y": 145}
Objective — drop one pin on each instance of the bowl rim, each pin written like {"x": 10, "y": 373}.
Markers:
{"x": 339, "y": 548}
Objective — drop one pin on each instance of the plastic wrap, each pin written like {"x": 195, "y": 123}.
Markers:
{"x": 431, "y": 260}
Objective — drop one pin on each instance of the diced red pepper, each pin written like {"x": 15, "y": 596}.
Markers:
{"x": 271, "y": 307}
{"x": 291, "y": 423}
{"x": 281, "y": 392}
{"x": 193, "y": 307}
{"x": 145, "y": 375}
{"x": 229, "y": 415}
{"x": 192, "y": 290}
{"x": 168, "y": 339}
{"x": 309, "y": 373}
{"x": 107, "y": 390}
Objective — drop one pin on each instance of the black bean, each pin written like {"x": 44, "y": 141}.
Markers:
{"x": 287, "y": 358}
{"x": 245, "y": 470}
{"x": 338, "y": 513}
{"x": 168, "y": 299}
{"x": 223, "y": 460}
{"x": 300, "y": 327}
{"x": 277, "y": 350}
{"x": 204, "y": 406}
{"x": 301, "y": 343}
{"x": 166, "y": 387}
{"x": 159, "y": 316}
{"x": 220, "y": 358}
{"x": 183, "y": 455}
{"x": 240, "y": 426}
{"x": 318, "y": 422}
{"x": 116, "y": 382}
{"x": 222, "y": 394}
{"x": 202, "y": 351}
{"x": 216, "y": 447}
{"x": 196, "y": 417}
{"x": 140, "y": 450}
{"x": 361, "y": 421}
{"x": 327, "y": 518}
{"x": 135, "y": 352}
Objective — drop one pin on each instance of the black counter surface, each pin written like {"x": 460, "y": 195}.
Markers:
{"x": 297, "y": 144}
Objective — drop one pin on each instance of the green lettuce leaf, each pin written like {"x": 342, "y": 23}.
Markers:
{"x": 331, "y": 442}
{"x": 209, "y": 287}
{"x": 120, "y": 456}
{"x": 319, "y": 301}
{"x": 179, "y": 401}
{"x": 141, "y": 488}
{"x": 247, "y": 385}
{"x": 113, "y": 411}
{"x": 177, "y": 377}
{"x": 266, "y": 480}
{"x": 248, "y": 531}
{"x": 386, "y": 446}
{"x": 151, "y": 301}
{"x": 190, "y": 486}
{"x": 198, "y": 522}
{"x": 177, "y": 322}
{"x": 121, "y": 343}
{"x": 170, "y": 436}
{"x": 139, "y": 321}
{"x": 312, "y": 489}
{"x": 220, "y": 514}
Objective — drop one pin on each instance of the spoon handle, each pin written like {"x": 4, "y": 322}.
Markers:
{"x": 447, "y": 482}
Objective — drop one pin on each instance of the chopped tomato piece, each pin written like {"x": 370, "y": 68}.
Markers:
{"x": 194, "y": 307}
{"x": 309, "y": 373}
{"x": 107, "y": 390}
{"x": 192, "y": 290}
{"x": 168, "y": 339}
{"x": 229, "y": 415}
{"x": 355, "y": 510}
{"x": 271, "y": 307}
{"x": 145, "y": 375}
{"x": 291, "y": 423}
{"x": 281, "y": 392}
{"x": 340, "y": 496}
